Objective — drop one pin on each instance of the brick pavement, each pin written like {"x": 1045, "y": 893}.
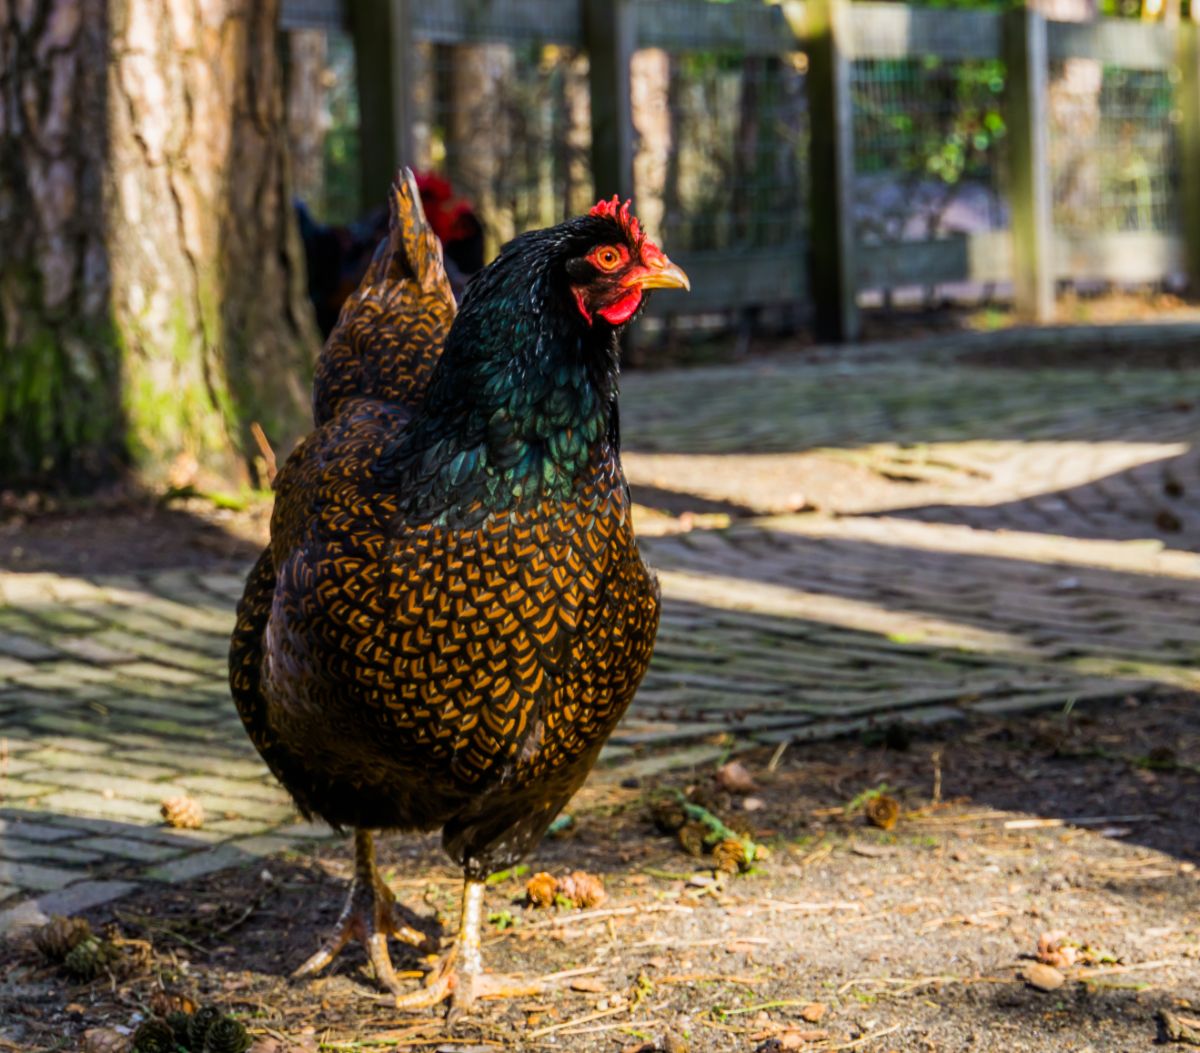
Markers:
{"x": 983, "y": 540}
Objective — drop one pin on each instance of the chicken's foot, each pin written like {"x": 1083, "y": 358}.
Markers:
{"x": 370, "y": 915}
{"x": 460, "y": 976}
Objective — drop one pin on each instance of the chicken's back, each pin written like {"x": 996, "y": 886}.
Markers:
{"x": 393, "y": 327}
{"x": 371, "y": 375}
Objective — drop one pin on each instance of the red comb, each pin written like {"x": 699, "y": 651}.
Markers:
{"x": 613, "y": 209}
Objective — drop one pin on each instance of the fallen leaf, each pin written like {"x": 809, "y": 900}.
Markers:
{"x": 583, "y": 889}
{"x": 540, "y": 890}
{"x": 1054, "y": 949}
{"x": 883, "y": 811}
{"x": 1043, "y": 977}
{"x": 590, "y": 984}
{"x": 813, "y": 1012}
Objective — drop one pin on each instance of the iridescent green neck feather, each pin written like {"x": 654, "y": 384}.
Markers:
{"x": 522, "y": 405}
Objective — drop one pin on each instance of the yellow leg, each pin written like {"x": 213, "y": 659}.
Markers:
{"x": 371, "y": 916}
{"x": 460, "y": 976}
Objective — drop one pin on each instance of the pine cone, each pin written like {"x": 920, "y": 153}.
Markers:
{"x": 104, "y": 1040}
{"x": 667, "y": 815}
{"x": 180, "y": 1022}
{"x": 692, "y": 839}
{"x": 540, "y": 890}
{"x": 583, "y": 889}
{"x": 729, "y": 856}
{"x": 58, "y": 937}
{"x": 226, "y": 1036}
{"x": 183, "y": 812}
{"x": 200, "y": 1024}
{"x": 154, "y": 1036}
{"x": 89, "y": 958}
{"x": 883, "y": 811}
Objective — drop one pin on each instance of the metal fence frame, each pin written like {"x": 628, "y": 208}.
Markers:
{"x": 833, "y": 268}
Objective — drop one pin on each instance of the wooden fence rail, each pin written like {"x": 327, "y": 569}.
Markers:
{"x": 832, "y": 267}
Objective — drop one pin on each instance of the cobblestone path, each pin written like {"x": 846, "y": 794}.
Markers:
{"x": 907, "y": 534}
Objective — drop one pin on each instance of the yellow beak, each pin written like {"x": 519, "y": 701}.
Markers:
{"x": 668, "y": 276}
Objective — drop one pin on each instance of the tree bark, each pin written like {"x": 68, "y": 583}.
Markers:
{"x": 308, "y": 121}
{"x": 152, "y": 299}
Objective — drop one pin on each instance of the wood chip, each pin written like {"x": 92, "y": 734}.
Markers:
{"x": 735, "y": 778}
{"x": 872, "y": 851}
{"x": 1043, "y": 977}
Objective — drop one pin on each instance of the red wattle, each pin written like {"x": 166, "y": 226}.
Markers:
{"x": 624, "y": 309}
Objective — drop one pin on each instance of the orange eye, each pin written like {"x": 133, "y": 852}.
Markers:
{"x": 606, "y": 258}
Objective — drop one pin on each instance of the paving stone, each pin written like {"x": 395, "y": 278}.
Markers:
{"x": 35, "y": 875}
{"x": 16, "y": 645}
{"x": 71, "y": 900}
{"x": 33, "y": 831}
{"x": 256, "y": 788}
{"x": 78, "y": 803}
{"x": 23, "y": 789}
{"x": 306, "y": 831}
{"x": 108, "y": 784}
{"x": 24, "y": 851}
{"x": 948, "y": 575}
{"x": 128, "y": 848}
{"x": 240, "y": 827}
{"x": 233, "y": 853}
{"x": 80, "y": 826}
{"x": 13, "y": 668}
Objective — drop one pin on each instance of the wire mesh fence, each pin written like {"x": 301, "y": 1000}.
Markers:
{"x": 722, "y": 160}
{"x": 929, "y": 141}
{"x": 1113, "y": 148}
{"x": 720, "y": 103}
{"x": 509, "y": 125}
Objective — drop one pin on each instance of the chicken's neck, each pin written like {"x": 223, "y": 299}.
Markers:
{"x": 522, "y": 409}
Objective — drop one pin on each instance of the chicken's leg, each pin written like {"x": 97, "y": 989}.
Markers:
{"x": 370, "y": 915}
{"x": 460, "y": 976}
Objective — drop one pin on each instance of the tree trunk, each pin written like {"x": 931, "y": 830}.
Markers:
{"x": 151, "y": 288}
{"x": 308, "y": 120}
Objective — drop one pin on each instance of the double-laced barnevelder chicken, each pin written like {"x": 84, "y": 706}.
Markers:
{"x": 452, "y": 614}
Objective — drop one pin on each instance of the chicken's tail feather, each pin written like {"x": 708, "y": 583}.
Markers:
{"x": 393, "y": 327}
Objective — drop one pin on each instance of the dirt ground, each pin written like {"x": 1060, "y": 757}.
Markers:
{"x": 846, "y": 937}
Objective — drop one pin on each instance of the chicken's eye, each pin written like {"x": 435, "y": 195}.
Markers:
{"x": 606, "y": 258}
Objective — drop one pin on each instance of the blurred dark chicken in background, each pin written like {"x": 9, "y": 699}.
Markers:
{"x": 337, "y": 256}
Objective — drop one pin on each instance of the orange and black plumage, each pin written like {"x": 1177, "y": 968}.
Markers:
{"x": 452, "y": 614}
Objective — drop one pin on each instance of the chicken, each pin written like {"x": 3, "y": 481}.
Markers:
{"x": 336, "y": 257}
{"x": 452, "y": 614}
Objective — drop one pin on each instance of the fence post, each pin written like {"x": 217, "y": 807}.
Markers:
{"x": 384, "y": 73}
{"x": 609, "y": 35}
{"x": 1027, "y": 60}
{"x": 1189, "y": 149}
{"x": 833, "y": 272}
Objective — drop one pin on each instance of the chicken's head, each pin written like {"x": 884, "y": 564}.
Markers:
{"x": 610, "y": 279}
